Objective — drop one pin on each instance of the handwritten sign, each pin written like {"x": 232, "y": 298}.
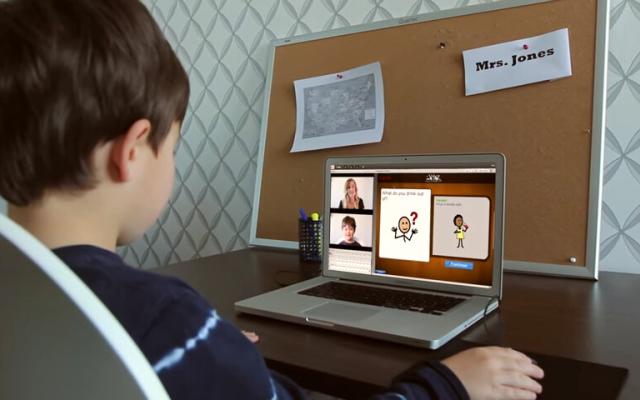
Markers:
{"x": 517, "y": 63}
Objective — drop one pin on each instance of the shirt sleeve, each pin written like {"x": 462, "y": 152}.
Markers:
{"x": 431, "y": 380}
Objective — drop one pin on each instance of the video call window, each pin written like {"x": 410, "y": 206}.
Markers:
{"x": 352, "y": 192}
{"x": 351, "y": 231}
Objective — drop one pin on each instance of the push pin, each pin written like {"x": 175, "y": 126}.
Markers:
{"x": 526, "y": 46}
{"x": 339, "y": 76}
{"x": 573, "y": 260}
{"x": 443, "y": 45}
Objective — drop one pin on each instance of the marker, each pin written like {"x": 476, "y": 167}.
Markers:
{"x": 303, "y": 215}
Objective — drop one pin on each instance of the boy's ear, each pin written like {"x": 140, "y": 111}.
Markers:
{"x": 127, "y": 149}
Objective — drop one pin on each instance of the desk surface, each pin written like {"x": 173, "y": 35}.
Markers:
{"x": 590, "y": 321}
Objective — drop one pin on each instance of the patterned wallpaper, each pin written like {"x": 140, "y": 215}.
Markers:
{"x": 223, "y": 45}
{"x": 620, "y": 231}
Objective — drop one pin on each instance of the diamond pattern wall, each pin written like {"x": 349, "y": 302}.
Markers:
{"x": 620, "y": 232}
{"x": 223, "y": 45}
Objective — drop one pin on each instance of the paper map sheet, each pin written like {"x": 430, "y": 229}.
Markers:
{"x": 340, "y": 109}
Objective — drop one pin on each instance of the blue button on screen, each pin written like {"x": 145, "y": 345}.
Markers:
{"x": 459, "y": 264}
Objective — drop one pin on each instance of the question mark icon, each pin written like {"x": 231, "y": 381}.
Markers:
{"x": 415, "y": 216}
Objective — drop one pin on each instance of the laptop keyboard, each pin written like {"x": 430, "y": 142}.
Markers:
{"x": 403, "y": 300}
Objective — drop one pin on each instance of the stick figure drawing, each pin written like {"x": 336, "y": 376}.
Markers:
{"x": 404, "y": 227}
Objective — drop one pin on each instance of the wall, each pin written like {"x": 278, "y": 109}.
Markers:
{"x": 620, "y": 232}
{"x": 223, "y": 45}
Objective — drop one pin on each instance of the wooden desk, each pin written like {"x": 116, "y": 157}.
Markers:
{"x": 589, "y": 321}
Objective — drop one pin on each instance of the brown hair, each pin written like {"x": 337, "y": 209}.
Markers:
{"x": 75, "y": 74}
{"x": 349, "y": 221}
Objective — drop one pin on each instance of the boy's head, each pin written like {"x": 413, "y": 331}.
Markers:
{"x": 74, "y": 75}
{"x": 348, "y": 228}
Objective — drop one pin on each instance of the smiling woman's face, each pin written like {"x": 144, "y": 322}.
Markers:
{"x": 352, "y": 189}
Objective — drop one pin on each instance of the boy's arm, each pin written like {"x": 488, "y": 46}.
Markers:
{"x": 428, "y": 381}
{"x": 489, "y": 373}
{"x": 194, "y": 352}
{"x": 286, "y": 389}
{"x": 202, "y": 353}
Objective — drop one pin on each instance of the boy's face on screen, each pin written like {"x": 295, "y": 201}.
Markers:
{"x": 347, "y": 232}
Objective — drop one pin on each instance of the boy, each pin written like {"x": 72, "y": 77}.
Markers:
{"x": 91, "y": 102}
{"x": 348, "y": 232}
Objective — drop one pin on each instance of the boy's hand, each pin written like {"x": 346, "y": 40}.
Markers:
{"x": 394, "y": 229}
{"x": 252, "y": 336}
{"x": 492, "y": 373}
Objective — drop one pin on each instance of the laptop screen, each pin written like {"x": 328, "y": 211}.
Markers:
{"x": 413, "y": 222}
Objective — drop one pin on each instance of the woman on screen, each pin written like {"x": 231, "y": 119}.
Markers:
{"x": 351, "y": 198}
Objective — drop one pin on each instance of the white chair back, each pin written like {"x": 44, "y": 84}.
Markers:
{"x": 57, "y": 339}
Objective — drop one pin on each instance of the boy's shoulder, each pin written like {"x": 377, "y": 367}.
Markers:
{"x": 137, "y": 297}
{"x": 95, "y": 263}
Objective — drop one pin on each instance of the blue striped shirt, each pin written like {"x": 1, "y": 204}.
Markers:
{"x": 195, "y": 352}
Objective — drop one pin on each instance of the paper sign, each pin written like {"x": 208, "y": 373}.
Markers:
{"x": 517, "y": 63}
{"x": 340, "y": 109}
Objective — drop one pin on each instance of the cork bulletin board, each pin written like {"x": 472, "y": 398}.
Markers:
{"x": 550, "y": 132}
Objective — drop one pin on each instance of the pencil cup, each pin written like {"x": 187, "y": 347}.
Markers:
{"x": 310, "y": 240}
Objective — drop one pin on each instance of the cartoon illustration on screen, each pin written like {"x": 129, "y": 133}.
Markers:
{"x": 404, "y": 226}
{"x": 471, "y": 230}
{"x": 461, "y": 228}
{"x": 405, "y": 212}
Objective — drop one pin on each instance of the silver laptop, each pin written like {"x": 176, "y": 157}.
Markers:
{"x": 412, "y": 249}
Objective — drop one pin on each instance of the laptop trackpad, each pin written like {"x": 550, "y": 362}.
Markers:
{"x": 340, "y": 312}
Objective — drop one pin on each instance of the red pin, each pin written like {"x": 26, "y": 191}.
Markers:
{"x": 526, "y": 46}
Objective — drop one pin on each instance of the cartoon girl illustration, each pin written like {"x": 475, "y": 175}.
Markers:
{"x": 461, "y": 228}
{"x": 404, "y": 226}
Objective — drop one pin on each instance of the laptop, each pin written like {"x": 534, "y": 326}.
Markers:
{"x": 412, "y": 249}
